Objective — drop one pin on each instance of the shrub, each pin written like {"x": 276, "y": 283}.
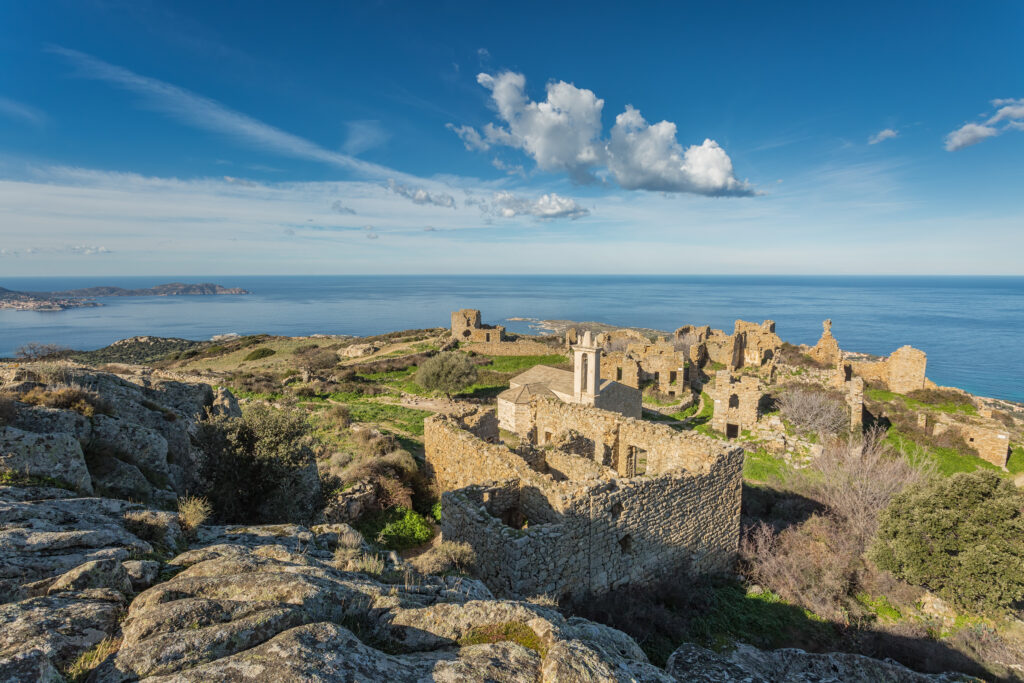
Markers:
{"x": 34, "y": 351}
{"x": 397, "y": 529}
{"x": 193, "y": 511}
{"x": 444, "y": 557}
{"x": 74, "y": 398}
{"x": 338, "y": 415}
{"x": 257, "y": 465}
{"x": 447, "y": 372}
{"x": 315, "y": 360}
{"x": 962, "y": 537}
{"x": 813, "y": 410}
{"x": 262, "y": 352}
{"x": 147, "y": 525}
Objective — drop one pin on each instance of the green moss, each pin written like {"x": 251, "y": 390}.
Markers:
{"x": 513, "y": 631}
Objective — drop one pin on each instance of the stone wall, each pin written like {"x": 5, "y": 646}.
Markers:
{"x": 569, "y": 526}
{"x": 826, "y": 351}
{"x": 902, "y": 372}
{"x": 736, "y": 402}
{"x": 517, "y": 347}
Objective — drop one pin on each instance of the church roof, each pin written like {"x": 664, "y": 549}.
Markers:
{"x": 523, "y": 394}
{"x": 556, "y": 380}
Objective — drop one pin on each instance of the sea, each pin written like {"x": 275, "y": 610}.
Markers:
{"x": 971, "y": 327}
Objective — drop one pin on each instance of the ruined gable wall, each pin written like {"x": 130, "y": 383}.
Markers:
{"x": 827, "y": 349}
{"x": 620, "y": 398}
{"x": 612, "y": 534}
{"x": 903, "y": 371}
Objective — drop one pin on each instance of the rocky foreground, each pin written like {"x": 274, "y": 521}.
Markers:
{"x": 96, "y": 587}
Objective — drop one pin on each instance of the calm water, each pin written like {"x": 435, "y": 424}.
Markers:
{"x": 969, "y": 326}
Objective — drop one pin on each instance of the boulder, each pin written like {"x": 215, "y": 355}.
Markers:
{"x": 54, "y": 456}
{"x": 141, "y": 446}
{"x": 109, "y": 573}
{"x": 119, "y": 479}
{"x": 225, "y": 403}
{"x": 142, "y": 573}
{"x": 31, "y": 665}
{"x": 42, "y": 420}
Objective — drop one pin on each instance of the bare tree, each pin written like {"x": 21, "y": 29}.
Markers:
{"x": 34, "y": 351}
{"x": 813, "y": 410}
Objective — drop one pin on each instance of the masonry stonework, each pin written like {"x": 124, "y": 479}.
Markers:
{"x": 629, "y": 502}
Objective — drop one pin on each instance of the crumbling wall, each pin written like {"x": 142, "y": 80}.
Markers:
{"x": 826, "y": 351}
{"x": 903, "y": 371}
{"x": 514, "y": 347}
{"x": 736, "y": 402}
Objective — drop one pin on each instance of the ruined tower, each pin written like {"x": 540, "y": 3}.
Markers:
{"x": 586, "y": 373}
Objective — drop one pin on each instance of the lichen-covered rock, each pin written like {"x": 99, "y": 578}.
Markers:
{"x": 351, "y": 504}
{"x": 116, "y": 478}
{"x": 42, "y": 420}
{"x": 109, "y": 573}
{"x": 31, "y": 665}
{"x": 225, "y": 403}
{"x": 141, "y": 446}
{"x": 55, "y": 456}
{"x": 751, "y": 665}
{"x": 142, "y": 573}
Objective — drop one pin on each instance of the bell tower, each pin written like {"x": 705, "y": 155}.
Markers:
{"x": 586, "y": 372}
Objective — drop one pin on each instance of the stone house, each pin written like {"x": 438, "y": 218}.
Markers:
{"x": 737, "y": 402}
{"x": 610, "y": 500}
{"x": 583, "y": 385}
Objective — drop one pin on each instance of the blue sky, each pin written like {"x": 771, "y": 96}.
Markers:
{"x": 247, "y": 137}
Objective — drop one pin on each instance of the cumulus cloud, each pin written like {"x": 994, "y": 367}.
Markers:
{"x": 546, "y": 207}
{"x": 1009, "y": 113}
{"x": 882, "y": 136}
{"x": 420, "y": 195}
{"x": 338, "y": 207}
{"x": 564, "y": 134}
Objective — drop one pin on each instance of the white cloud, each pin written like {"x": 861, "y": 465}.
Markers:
{"x": 338, "y": 207}
{"x": 967, "y": 135}
{"x": 209, "y": 114}
{"x": 546, "y": 207}
{"x": 564, "y": 133}
{"x": 21, "y": 112}
{"x": 1009, "y": 112}
{"x": 882, "y": 136}
{"x": 420, "y": 195}
{"x": 73, "y": 250}
{"x": 646, "y": 157}
{"x": 363, "y": 135}
{"x": 470, "y": 137}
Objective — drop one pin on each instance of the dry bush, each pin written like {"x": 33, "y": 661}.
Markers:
{"x": 811, "y": 409}
{"x": 147, "y": 525}
{"x": 80, "y": 669}
{"x": 74, "y": 398}
{"x": 193, "y": 511}
{"x": 350, "y": 538}
{"x": 8, "y": 409}
{"x": 813, "y": 564}
{"x": 856, "y": 481}
{"x": 444, "y": 557}
{"x": 372, "y": 443}
{"x": 543, "y": 599}
{"x": 338, "y": 415}
{"x": 393, "y": 475}
{"x": 352, "y": 560}
{"x": 34, "y": 351}
{"x": 618, "y": 344}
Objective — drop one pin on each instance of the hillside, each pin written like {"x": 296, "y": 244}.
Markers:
{"x": 81, "y": 298}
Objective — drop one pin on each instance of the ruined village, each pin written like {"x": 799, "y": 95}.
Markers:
{"x": 603, "y": 504}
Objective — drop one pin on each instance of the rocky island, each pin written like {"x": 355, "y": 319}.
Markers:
{"x": 83, "y": 298}
{"x": 466, "y": 504}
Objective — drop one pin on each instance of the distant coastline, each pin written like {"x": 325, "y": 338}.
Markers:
{"x": 84, "y": 298}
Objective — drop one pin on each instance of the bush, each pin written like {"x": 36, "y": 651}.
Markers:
{"x": 397, "y": 529}
{"x": 447, "y": 372}
{"x": 315, "y": 360}
{"x": 193, "y": 511}
{"x": 34, "y": 351}
{"x": 962, "y": 537}
{"x": 147, "y": 525}
{"x": 513, "y": 631}
{"x": 257, "y": 354}
{"x": 257, "y": 466}
{"x": 813, "y": 410}
{"x": 80, "y": 400}
{"x": 444, "y": 557}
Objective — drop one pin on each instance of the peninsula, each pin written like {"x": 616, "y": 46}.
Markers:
{"x": 83, "y": 298}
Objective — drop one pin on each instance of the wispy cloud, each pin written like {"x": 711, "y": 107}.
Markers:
{"x": 1009, "y": 113}
{"x": 19, "y": 111}
{"x": 364, "y": 135}
{"x": 545, "y": 207}
{"x": 208, "y": 114}
{"x": 73, "y": 250}
{"x": 420, "y": 195}
{"x": 883, "y": 135}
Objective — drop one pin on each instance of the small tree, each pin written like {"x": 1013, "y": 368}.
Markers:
{"x": 962, "y": 537}
{"x": 34, "y": 351}
{"x": 448, "y": 372}
{"x": 314, "y": 361}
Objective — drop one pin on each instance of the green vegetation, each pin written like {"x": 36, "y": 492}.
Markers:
{"x": 12, "y": 478}
{"x": 962, "y": 537}
{"x": 435, "y": 511}
{"x": 407, "y": 419}
{"x": 262, "y": 352}
{"x": 1015, "y": 464}
{"x": 948, "y": 461}
{"x": 513, "y": 631}
{"x": 879, "y": 606}
{"x": 79, "y": 670}
{"x": 398, "y": 528}
{"x": 447, "y": 372}
{"x": 762, "y": 466}
{"x": 518, "y": 364}
{"x": 945, "y": 401}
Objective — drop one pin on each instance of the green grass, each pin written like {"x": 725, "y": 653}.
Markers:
{"x": 12, "y": 478}
{"x": 407, "y": 419}
{"x": 947, "y": 460}
{"x": 761, "y": 618}
{"x": 880, "y": 606}
{"x": 520, "y": 363}
{"x": 1015, "y": 464}
{"x": 396, "y": 529}
{"x": 685, "y": 413}
{"x": 761, "y": 466}
{"x": 655, "y": 401}
{"x": 952, "y": 407}
{"x": 514, "y": 631}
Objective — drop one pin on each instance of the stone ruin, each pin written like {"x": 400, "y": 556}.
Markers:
{"x": 737, "y": 401}
{"x": 608, "y": 501}
{"x": 469, "y": 331}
